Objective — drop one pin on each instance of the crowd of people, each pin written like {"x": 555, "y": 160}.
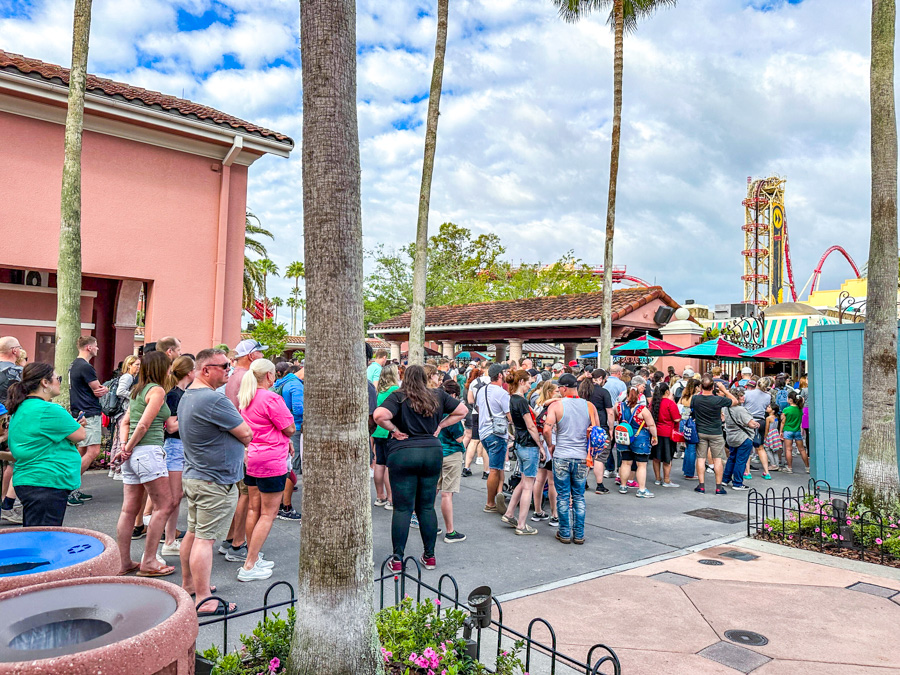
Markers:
{"x": 222, "y": 431}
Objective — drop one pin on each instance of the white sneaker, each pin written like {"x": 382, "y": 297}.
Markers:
{"x": 478, "y": 460}
{"x": 162, "y": 561}
{"x": 172, "y": 549}
{"x": 670, "y": 485}
{"x": 507, "y": 466}
{"x": 256, "y": 574}
{"x": 607, "y": 474}
{"x": 265, "y": 564}
{"x": 147, "y": 520}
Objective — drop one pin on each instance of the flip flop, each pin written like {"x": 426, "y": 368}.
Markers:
{"x": 219, "y": 610}
{"x": 129, "y": 570}
{"x": 212, "y": 589}
{"x": 156, "y": 573}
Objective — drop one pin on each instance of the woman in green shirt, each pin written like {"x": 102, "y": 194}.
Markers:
{"x": 791, "y": 419}
{"x": 388, "y": 382}
{"x": 144, "y": 467}
{"x": 42, "y": 438}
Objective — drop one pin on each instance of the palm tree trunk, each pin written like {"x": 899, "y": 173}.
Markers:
{"x": 335, "y": 630}
{"x": 876, "y": 483}
{"x": 294, "y": 308}
{"x": 420, "y": 264}
{"x": 618, "y": 67}
{"x": 68, "y": 266}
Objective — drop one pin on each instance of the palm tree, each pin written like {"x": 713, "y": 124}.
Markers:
{"x": 253, "y": 276}
{"x": 295, "y": 271}
{"x": 623, "y": 18}
{"x": 420, "y": 263}
{"x": 294, "y": 303}
{"x": 335, "y": 628}
{"x": 876, "y": 484}
{"x": 266, "y": 267}
{"x": 68, "y": 265}
{"x": 276, "y": 303}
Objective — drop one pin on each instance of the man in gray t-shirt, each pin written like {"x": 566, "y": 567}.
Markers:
{"x": 214, "y": 436}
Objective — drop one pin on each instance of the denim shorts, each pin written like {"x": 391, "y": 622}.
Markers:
{"x": 146, "y": 464}
{"x": 496, "y": 449}
{"x": 793, "y": 435}
{"x": 528, "y": 460}
{"x": 174, "y": 454}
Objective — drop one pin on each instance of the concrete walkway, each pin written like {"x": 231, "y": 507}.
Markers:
{"x": 672, "y": 616}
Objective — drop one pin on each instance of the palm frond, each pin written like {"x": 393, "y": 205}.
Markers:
{"x": 574, "y": 10}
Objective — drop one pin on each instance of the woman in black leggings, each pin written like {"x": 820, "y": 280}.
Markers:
{"x": 414, "y": 415}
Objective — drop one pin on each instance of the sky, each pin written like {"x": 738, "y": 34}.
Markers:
{"x": 714, "y": 91}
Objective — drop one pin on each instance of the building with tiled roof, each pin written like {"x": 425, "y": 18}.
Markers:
{"x": 164, "y": 198}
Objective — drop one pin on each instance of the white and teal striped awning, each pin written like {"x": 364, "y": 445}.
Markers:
{"x": 781, "y": 329}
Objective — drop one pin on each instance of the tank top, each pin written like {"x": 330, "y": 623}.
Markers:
{"x": 154, "y": 435}
{"x": 571, "y": 430}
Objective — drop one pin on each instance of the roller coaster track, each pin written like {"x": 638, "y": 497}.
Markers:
{"x": 817, "y": 273}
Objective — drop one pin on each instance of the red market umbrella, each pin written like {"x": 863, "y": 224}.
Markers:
{"x": 645, "y": 346}
{"x": 792, "y": 350}
{"x": 719, "y": 349}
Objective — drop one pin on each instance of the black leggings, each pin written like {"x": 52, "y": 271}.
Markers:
{"x": 414, "y": 474}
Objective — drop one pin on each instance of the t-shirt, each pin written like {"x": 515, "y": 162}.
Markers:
{"x": 211, "y": 453}
{"x": 520, "y": 411}
{"x": 9, "y": 373}
{"x": 373, "y": 372}
{"x": 267, "y": 415}
{"x": 793, "y": 416}
{"x": 233, "y": 386}
{"x": 756, "y": 401}
{"x": 38, "y": 440}
{"x": 615, "y": 387}
{"x": 669, "y": 417}
{"x": 448, "y": 437}
{"x": 419, "y": 428}
{"x": 173, "y": 398}
{"x": 81, "y": 396}
{"x": 381, "y": 432}
{"x": 737, "y": 426}
{"x": 708, "y": 413}
{"x": 490, "y": 399}
{"x": 602, "y": 399}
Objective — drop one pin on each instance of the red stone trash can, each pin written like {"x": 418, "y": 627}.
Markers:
{"x": 98, "y": 626}
{"x": 40, "y": 555}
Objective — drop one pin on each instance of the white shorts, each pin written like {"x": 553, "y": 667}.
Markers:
{"x": 146, "y": 464}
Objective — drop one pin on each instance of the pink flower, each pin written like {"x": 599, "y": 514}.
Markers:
{"x": 413, "y": 656}
{"x": 437, "y": 602}
{"x": 790, "y": 536}
{"x": 834, "y": 536}
{"x": 274, "y": 664}
{"x": 817, "y": 529}
{"x": 878, "y": 541}
{"x": 841, "y": 538}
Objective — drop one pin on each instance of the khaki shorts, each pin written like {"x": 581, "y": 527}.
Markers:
{"x": 210, "y": 507}
{"x": 714, "y": 443}
{"x": 242, "y": 487}
{"x": 94, "y": 431}
{"x": 451, "y": 472}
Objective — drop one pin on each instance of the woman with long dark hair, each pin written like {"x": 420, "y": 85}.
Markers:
{"x": 791, "y": 421}
{"x": 179, "y": 379}
{"x": 414, "y": 416}
{"x": 388, "y": 383}
{"x": 667, "y": 417}
{"x": 144, "y": 467}
{"x": 42, "y": 440}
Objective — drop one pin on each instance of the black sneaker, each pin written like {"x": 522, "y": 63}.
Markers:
{"x": 484, "y": 476}
{"x": 139, "y": 532}
{"x": 453, "y": 537}
{"x": 466, "y": 473}
{"x": 699, "y": 488}
{"x": 288, "y": 514}
{"x": 554, "y": 521}
{"x": 539, "y": 516}
{"x": 601, "y": 489}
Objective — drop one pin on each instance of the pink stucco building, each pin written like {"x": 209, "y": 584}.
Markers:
{"x": 164, "y": 191}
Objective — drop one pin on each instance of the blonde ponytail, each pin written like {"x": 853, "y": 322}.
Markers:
{"x": 250, "y": 383}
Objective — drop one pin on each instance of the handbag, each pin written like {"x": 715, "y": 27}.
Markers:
{"x": 499, "y": 424}
{"x": 689, "y": 431}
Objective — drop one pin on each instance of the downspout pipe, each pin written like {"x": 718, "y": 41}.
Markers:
{"x": 237, "y": 145}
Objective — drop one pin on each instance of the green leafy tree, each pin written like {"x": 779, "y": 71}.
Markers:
{"x": 876, "y": 484}
{"x": 623, "y": 18}
{"x": 253, "y": 275}
{"x": 271, "y": 334}
{"x": 68, "y": 266}
{"x": 295, "y": 271}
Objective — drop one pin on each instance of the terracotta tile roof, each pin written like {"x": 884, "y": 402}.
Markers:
{"x": 99, "y": 85}
{"x": 587, "y": 306}
{"x": 294, "y": 341}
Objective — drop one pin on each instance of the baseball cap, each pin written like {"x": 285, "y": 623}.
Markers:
{"x": 746, "y": 371}
{"x": 247, "y": 347}
{"x": 598, "y": 372}
{"x": 558, "y": 366}
{"x": 751, "y": 384}
{"x": 568, "y": 380}
{"x": 3, "y": 409}
{"x": 494, "y": 371}
{"x": 688, "y": 372}
{"x": 573, "y": 363}
{"x": 533, "y": 372}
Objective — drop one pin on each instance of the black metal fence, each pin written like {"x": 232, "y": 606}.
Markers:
{"x": 821, "y": 517}
{"x": 600, "y": 658}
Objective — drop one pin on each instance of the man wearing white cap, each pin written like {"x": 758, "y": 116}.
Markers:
{"x": 746, "y": 374}
{"x": 686, "y": 375}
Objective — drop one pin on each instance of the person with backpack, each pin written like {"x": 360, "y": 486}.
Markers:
{"x": 791, "y": 421}
{"x": 9, "y": 371}
{"x": 492, "y": 403}
{"x": 740, "y": 431}
{"x": 706, "y": 410}
{"x": 289, "y": 386}
{"x": 780, "y": 391}
{"x": 548, "y": 393}
{"x": 689, "y": 430}
{"x": 635, "y": 435}
{"x": 179, "y": 378}
{"x": 474, "y": 450}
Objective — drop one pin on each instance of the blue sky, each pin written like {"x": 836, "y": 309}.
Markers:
{"x": 715, "y": 91}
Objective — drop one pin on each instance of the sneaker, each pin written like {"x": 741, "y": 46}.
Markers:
{"x": 632, "y": 483}
{"x": 172, "y": 549}
{"x": 289, "y": 514}
{"x": 396, "y": 566}
{"x": 528, "y": 529}
{"x": 623, "y": 490}
{"x": 138, "y": 532}
{"x": 774, "y": 468}
{"x": 146, "y": 519}
{"x": 265, "y": 564}
{"x": 747, "y": 476}
{"x": 607, "y": 474}
{"x": 237, "y": 554}
{"x": 786, "y": 470}
{"x": 767, "y": 477}
{"x": 554, "y": 521}
{"x": 72, "y": 500}
{"x": 738, "y": 487}
{"x": 538, "y": 516}
{"x": 414, "y": 521}
{"x": 709, "y": 469}
{"x": 699, "y": 488}
{"x": 428, "y": 562}
{"x": 224, "y": 547}
{"x": 509, "y": 521}
{"x": 670, "y": 484}
{"x": 644, "y": 494}
{"x": 380, "y": 502}
{"x": 507, "y": 466}
{"x": 453, "y": 537}
{"x": 256, "y": 574}
{"x": 657, "y": 482}
{"x": 13, "y": 515}
{"x": 484, "y": 476}
{"x": 807, "y": 469}
{"x": 479, "y": 461}
{"x": 179, "y": 534}
{"x": 500, "y": 502}
{"x": 618, "y": 481}
{"x": 83, "y": 496}
{"x": 440, "y": 531}
{"x": 466, "y": 473}
{"x": 722, "y": 491}
{"x": 388, "y": 507}
{"x": 601, "y": 489}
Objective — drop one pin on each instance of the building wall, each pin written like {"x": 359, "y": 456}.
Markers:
{"x": 148, "y": 213}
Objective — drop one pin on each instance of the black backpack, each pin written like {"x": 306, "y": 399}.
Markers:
{"x": 8, "y": 375}
{"x": 111, "y": 404}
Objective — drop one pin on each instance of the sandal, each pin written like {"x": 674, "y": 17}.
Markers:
{"x": 528, "y": 529}
{"x": 219, "y": 610}
{"x": 212, "y": 589}
{"x": 131, "y": 569}
{"x": 161, "y": 572}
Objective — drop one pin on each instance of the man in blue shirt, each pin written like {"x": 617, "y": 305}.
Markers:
{"x": 290, "y": 387}
{"x": 614, "y": 384}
